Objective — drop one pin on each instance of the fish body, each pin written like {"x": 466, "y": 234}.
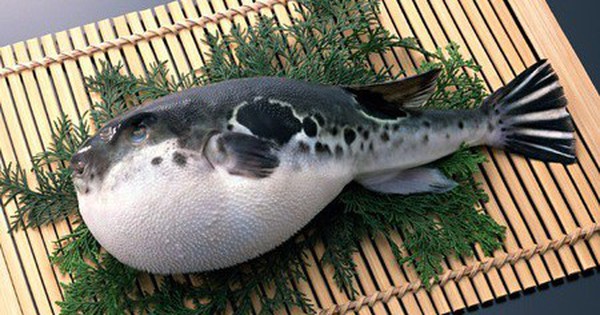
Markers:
{"x": 214, "y": 176}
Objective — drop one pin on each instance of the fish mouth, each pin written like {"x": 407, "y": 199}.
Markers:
{"x": 83, "y": 170}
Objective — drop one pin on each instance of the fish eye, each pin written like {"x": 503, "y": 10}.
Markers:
{"x": 138, "y": 134}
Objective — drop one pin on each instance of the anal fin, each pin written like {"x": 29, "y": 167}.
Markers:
{"x": 411, "y": 181}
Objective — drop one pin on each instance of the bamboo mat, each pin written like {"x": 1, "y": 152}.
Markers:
{"x": 551, "y": 211}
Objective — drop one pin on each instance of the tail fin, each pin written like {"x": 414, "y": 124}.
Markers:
{"x": 529, "y": 117}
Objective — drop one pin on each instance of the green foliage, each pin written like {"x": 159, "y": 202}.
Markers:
{"x": 53, "y": 197}
{"x": 457, "y": 89}
{"x": 119, "y": 92}
{"x": 432, "y": 225}
{"x": 104, "y": 288}
{"x": 75, "y": 249}
{"x": 330, "y": 42}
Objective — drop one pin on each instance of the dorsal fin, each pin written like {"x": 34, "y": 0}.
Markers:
{"x": 413, "y": 91}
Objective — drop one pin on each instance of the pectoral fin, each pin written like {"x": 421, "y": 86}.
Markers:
{"x": 412, "y": 181}
{"x": 242, "y": 154}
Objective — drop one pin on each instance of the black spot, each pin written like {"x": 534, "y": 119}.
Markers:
{"x": 349, "y": 136}
{"x": 461, "y": 125}
{"x": 386, "y": 127}
{"x": 362, "y": 146}
{"x": 396, "y": 127}
{"x": 359, "y": 129}
{"x": 322, "y": 148}
{"x": 334, "y": 131}
{"x": 371, "y": 146}
{"x": 157, "y": 160}
{"x": 87, "y": 190}
{"x": 269, "y": 121}
{"x": 179, "y": 159}
{"x": 425, "y": 138}
{"x": 92, "y": 176}
{"x": 385, "y": 137}
{"x": 500, "y": 121}
{"x": 490, "y": 127}
{"x": 303, "y": 146}
{"x": 426, "y": 124}
{"x": 229, "y": 127}
{"x": 320, "y": 119}
{"x": 365, "y": 134}
{"x": 309, "y": 126}
{"x": 447, "y": 136}
{"x": 339, "y": 151}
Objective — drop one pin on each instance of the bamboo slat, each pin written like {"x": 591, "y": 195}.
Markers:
{"x": 552, "y": 212}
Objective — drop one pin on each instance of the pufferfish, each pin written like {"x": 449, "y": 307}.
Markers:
{"x": 214, "y": 176}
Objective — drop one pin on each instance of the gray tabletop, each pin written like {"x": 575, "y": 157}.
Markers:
{"x": 24, "y": 19}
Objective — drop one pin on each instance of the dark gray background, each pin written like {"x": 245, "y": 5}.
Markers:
{"x": 24, "y": 19}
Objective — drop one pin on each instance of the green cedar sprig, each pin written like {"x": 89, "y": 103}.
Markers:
{"x": 330, "y": 42}
{"x": 53, "y": 197}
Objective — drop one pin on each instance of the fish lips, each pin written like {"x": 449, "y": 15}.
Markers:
{"x": 91, "y": 161}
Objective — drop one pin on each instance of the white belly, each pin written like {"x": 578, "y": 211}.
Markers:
{"x": 188, "y": 223}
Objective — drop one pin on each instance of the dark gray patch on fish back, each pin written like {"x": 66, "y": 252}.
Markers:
{"x": 365, "y": 134}
{"x": 320, "y": 119}
{"x": 179, "y": 159}
{"x": 339, "y": 151}
{"x": 349, "y": 136}
{"x": 190, "y": 139}
{"x": 385, "y": 137}
{"x": 322, "y": 148}
{"x": 426, "y": 124}
{"x": 157, "y": 160}
{"x": 269, "y": 121}
{"x": 309, "y": 126}
{"x": 303, "y": 147}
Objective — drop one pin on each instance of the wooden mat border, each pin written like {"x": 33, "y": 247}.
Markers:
{"x": 583, "y": 92}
